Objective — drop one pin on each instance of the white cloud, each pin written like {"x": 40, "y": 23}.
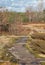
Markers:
{"x": 19, "y": 5}
{"x": 12, "y": 0}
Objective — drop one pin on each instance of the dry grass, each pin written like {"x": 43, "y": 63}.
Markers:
{"x": 37, "y": 44}
{"x": 6, "y": 41}
{"x": 8, "y": 63}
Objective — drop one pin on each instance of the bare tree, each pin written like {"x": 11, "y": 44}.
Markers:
{"x": 40, "y": 5}
{"x": 40, "y": 9}
{"x": 29, "y": 12}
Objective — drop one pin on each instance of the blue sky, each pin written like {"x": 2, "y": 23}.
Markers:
{"x": 19, "y": 5}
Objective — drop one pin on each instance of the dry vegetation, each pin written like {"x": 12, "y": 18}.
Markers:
{"x": 37, "y": 44}
{"x": 16, "y": 21}
{"x": 8, "y": 63}
{"x": 6, "y": 41}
